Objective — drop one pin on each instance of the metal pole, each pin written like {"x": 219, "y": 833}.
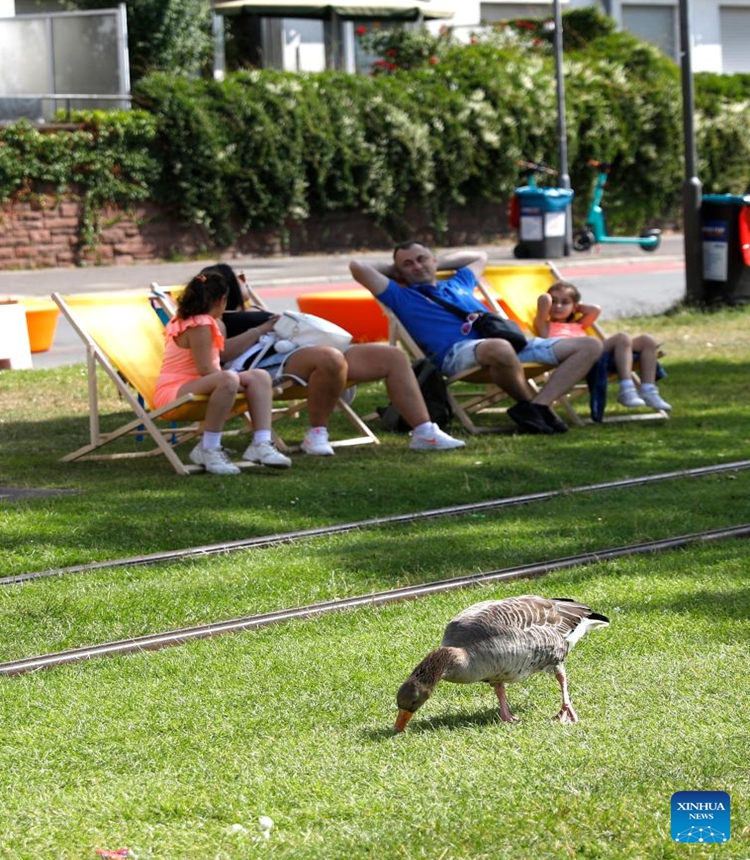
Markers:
{"x": 692, "y": 192}
{"x": 220, "y": 60}
{"x": 562, "y": 135}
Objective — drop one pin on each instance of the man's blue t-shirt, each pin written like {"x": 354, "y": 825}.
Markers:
{"x": 433, "y": 327}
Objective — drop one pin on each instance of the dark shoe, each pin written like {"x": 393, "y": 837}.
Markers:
{"x": 529, "y": 418}
{"x": 550, "y": 419}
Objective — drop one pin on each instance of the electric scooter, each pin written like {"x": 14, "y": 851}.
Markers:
{"x": 595, "y": 230}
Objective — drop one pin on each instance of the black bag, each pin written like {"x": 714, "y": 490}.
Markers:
{"x": 435, "y": 393}
{"x": 485, "y": 324}
{"x": 492, "y": 325}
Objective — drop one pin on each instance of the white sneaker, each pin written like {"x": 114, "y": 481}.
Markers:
{"x": 266, "y": 454}
{"x": 653, "y": 399}
{"x": 629, "y": 397}
{"x": 214, "y": 460}
{"x": 435, "y": 440}
{"x": 316, "y": 443}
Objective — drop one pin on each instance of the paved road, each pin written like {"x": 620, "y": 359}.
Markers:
{"x": 624, "y": 280}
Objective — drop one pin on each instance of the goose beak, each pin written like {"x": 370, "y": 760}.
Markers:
{"x": 402, "y": 719}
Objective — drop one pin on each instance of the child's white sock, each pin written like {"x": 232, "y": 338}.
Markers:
{"x": 211, "y": 440}
{"x": 261, "y": 436}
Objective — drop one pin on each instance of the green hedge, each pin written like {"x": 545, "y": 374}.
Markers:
{"x": 262, "y": 148}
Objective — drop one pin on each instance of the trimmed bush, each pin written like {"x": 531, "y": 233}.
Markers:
{"x": 264, "y": 149}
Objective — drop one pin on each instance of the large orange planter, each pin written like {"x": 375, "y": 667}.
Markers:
{"x": 353, "y": 309}
{"x": 41, "y": 322}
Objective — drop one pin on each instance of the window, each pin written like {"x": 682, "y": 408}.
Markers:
{"x": 655, "y": 24}
{"x": 491, "y": 12}
{"x": 735, "y": 38}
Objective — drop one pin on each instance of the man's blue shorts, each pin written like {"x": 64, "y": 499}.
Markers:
{"x": 462, "y": 355}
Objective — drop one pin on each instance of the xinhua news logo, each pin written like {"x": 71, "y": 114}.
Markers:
{"x": 700, "y": 816}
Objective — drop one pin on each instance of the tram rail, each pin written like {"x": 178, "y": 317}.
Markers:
{"x": 265, "y": 541}
{"x": 184, "y": 635}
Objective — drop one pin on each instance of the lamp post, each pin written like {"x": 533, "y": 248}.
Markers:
{"x": 562, "y": 134}
{"x": 692, "y": 192}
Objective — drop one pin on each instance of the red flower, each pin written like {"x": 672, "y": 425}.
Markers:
{"x": 433, "y": 61}
{"x": 361, "y": 30}
{"x": 391, "y": 52}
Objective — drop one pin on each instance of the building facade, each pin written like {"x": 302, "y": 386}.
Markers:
{"x": 720, "y": 28}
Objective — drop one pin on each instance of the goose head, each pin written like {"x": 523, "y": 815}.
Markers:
{"x": 412, "y": 694}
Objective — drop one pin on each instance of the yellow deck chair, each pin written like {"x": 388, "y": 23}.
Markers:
{"x": 292, "y": 391}
{"x": 515, "y": 289}
{"x": 471, "y": 392}
{"x": 124, "y": 339}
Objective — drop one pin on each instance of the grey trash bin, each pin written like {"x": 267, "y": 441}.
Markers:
{"x": 725, "y": 237}
{"x": 542, "y": 225}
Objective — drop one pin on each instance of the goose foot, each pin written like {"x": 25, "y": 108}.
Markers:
{"x": 567, "y": 714}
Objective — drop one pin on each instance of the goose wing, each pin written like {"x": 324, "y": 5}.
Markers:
{"x": 552, "y": 620}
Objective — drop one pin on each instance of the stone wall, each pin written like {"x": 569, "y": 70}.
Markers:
{"x": 45, "y": 232}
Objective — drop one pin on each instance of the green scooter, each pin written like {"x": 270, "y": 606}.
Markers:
{"x": 595, "y": 230}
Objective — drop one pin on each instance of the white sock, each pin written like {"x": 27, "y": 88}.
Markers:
{"x": 627, "y": 384}
{"x": 211, "y": 440}
{"x": 649, "y": 387}
{"x": 319, "y": 431}
{"x": 261, "y": 436}
{"x": 424, "y": 429}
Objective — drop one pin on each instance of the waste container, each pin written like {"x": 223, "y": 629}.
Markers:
{"x": 725, "y": 237}
{"x": 542, "y": 221}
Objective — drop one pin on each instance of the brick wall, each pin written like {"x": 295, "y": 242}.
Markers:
{"x": 44, "y": 232}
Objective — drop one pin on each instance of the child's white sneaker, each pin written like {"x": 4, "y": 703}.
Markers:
{"x": 629, "y": 397}
{"x": 652, "y": 398}
{"x": 434, "y": 440}
{"x": 267, "y": 455}
{"x": 316, "y": 442}
{"x": 214, "y": 460}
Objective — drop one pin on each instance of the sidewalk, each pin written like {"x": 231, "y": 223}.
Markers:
{"x": 622, "y": 278}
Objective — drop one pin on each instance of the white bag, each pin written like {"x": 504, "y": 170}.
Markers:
{"x": 296, "y": 329}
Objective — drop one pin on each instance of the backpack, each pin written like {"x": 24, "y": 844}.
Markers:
{"x": 435, "y": 393}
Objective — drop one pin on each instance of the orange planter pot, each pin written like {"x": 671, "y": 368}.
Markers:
{"x": 41, "y": 322}
{"x": 353, "y": 309}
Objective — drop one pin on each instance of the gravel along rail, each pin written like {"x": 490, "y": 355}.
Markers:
{"x": 204, "y": 631}
{"x": 340, "y": 528}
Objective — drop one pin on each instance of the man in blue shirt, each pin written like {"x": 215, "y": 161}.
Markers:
{"x": 453, "y": 345}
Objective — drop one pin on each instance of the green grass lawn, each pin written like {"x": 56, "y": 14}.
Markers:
{"x": 177, "y": 753}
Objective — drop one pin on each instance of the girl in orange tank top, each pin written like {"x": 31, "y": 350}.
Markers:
{"x": 560, "y": 313}
{"x": 195, "y": 338}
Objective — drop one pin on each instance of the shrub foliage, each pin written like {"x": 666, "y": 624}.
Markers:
{"x": 263, "y": 148}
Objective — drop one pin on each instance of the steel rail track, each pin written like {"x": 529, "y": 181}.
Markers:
{"x": 395, "y": 519}
{"x": 184, "y": 635}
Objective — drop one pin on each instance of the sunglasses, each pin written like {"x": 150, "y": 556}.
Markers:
{"x": 470, "y": 320}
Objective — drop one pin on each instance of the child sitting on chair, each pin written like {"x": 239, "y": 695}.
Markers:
{"x": 195, "y": 337}
{"x": 561, "y": 314}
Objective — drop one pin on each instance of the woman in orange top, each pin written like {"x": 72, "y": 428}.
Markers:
{"x": 561, "y": 314}
{"x": 195, "y": 338}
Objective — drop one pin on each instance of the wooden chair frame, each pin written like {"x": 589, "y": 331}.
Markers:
{"x": 292, "y": 390}
{"x": 470, "y": 392}
{"x": 508, "y": 292}
{"x": 131, "y": 362}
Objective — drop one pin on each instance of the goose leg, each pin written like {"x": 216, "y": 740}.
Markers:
{"x": 505, "y": 714}
{"x": 567, "y": 714}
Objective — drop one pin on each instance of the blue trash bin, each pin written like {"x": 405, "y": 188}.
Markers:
{"x": 542, "y": 225}
{"x": 725, "y": 238}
